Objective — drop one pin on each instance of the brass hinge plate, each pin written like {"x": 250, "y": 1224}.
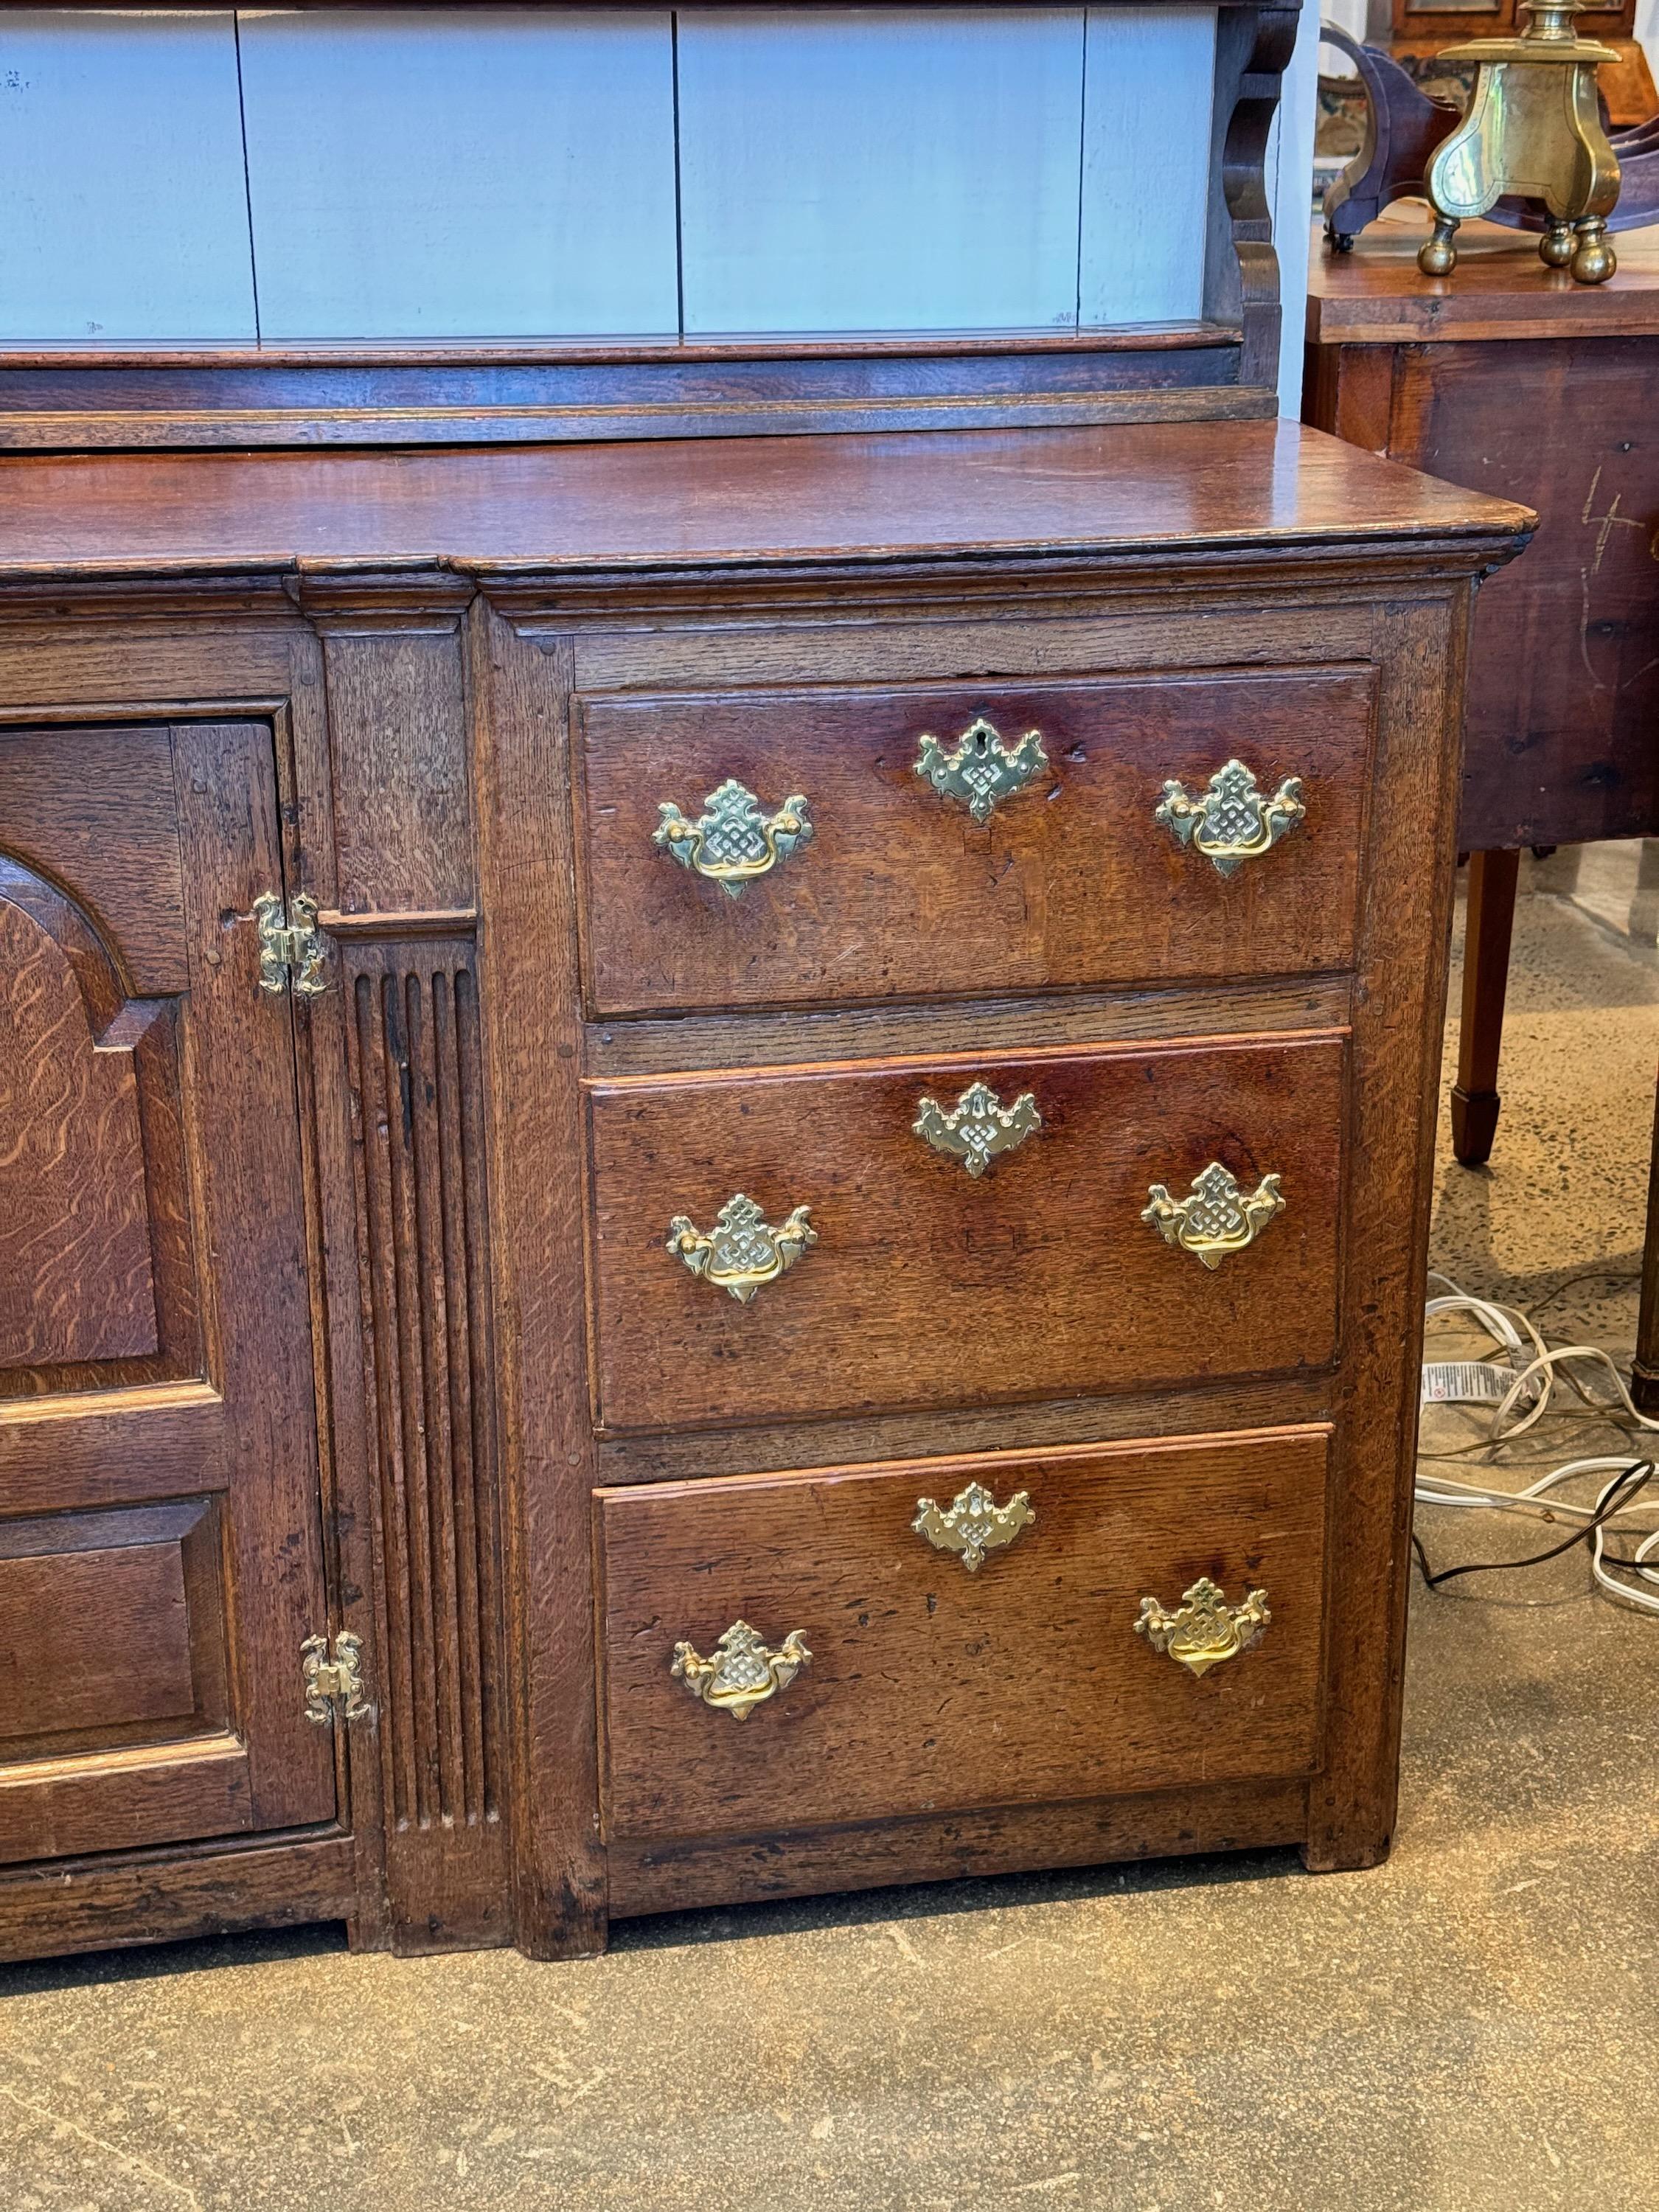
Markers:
{"x": 292, "y": 948}
{"x": 333, "y": 1679}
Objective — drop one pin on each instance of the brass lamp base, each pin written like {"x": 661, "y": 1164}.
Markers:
{"x": 1532, "y": 129}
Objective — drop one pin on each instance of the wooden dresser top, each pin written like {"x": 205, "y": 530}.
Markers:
{"x": 1377, "y": 295}
{"x": 718, "y": 502}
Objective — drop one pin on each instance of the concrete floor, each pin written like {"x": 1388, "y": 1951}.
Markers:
{"x": 1471, "y": 2026}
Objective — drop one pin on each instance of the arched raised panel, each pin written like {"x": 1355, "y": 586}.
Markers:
{"x": 76, "y": 1274}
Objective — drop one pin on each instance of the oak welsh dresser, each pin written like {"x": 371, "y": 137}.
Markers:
{"x": 715, "y": 1132}
{"x": 715, "y": 1161}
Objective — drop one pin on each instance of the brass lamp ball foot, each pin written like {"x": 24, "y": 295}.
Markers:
{"x": 1438, "y": 254}
{"x": 1558, "y": 245}
{"x": 1594, "y": 259}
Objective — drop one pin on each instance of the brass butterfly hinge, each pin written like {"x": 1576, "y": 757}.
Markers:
{"x": 333, "y": 1680}
{"x": 292, "y": 948}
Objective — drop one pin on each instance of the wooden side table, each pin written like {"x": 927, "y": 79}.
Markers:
{"x": 1513, "y": 379}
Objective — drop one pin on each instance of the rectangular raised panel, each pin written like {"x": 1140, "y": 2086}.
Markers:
{"x": 931, "y": 1688}
{"x": 94, "y": 1639}
{"x": 901, "y": 893}
{"x": 398, "y": 733}
{"x": 467, "y": 172}
{"x": 111, "y": 1629}
{"x": 121, "y": 178}
{"x": 865, "y": 169}
{"x": 417, "y": 1085}
{"x": 1145, "y": 183}
{"x": 926, "y": 1286}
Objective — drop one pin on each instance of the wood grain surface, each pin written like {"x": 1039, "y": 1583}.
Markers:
{"x": 92, "y": 805}
{"x": 149, "y": 1897}
{"x": 770, "y": 501}
{"x": 76, "y": 1278}
{"x": 931, "y": 1688}
{"x": 666, "y": 1874}
{"x": 930, "y": 1287}
{"x": 1377, "y": 295}
{"x": 109, "y": 1645}
{"x": 901, "y": 893}
{"x": 102, "y": 1286}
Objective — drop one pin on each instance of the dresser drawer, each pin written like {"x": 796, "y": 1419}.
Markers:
{"x": 933, "y": 1687}
{"x": 886, "y": 887}
{"x": 911, "y": 1280}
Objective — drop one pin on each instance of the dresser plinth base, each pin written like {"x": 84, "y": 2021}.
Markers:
{"x": 666, "y": 1877}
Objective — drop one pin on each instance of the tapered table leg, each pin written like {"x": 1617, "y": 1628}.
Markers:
{"x": 1644, "y": 1373}
{"x": 1492, "y": 877}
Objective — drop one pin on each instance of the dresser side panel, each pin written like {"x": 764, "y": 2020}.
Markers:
{"x": 1399, "y": 1010}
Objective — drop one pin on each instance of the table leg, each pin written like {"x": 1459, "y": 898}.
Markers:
{"x": 1474, "y": 1101}
{"x": 1644, "y": 1371}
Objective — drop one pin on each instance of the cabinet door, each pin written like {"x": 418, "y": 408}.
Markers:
{"x": 160, "y": 1546}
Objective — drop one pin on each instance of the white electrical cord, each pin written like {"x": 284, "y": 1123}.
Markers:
{"x": 1449, "y": 1382}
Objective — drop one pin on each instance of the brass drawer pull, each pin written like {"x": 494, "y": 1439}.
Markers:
{"x": 1207, "y": 1629}
{"x": 1231, "y": 822}
{"x": 982, "y": 769}
{"x": 974, "y": 1523}
{"x": 978, "y": 1126}
{"x": 1217, "y": 1218}
{"x": 743, "y": 1672}
{"x": 733, "y": 842}
{"x": 742, "y": 1251}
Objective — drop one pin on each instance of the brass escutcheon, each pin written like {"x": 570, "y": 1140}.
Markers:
{"x": 974, "y": 1523}
{"x": 1231, "y": 822}
{"x": 742, "y": 1251}
{"x": 1205, "y": 1630}
{"x": 982, "y": 769}
{"x": 744, "y": 1672}
{"x": 1217, "y": 1217}
{"x": 978, "y": 1126}
{"x": 732, "y": 843}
